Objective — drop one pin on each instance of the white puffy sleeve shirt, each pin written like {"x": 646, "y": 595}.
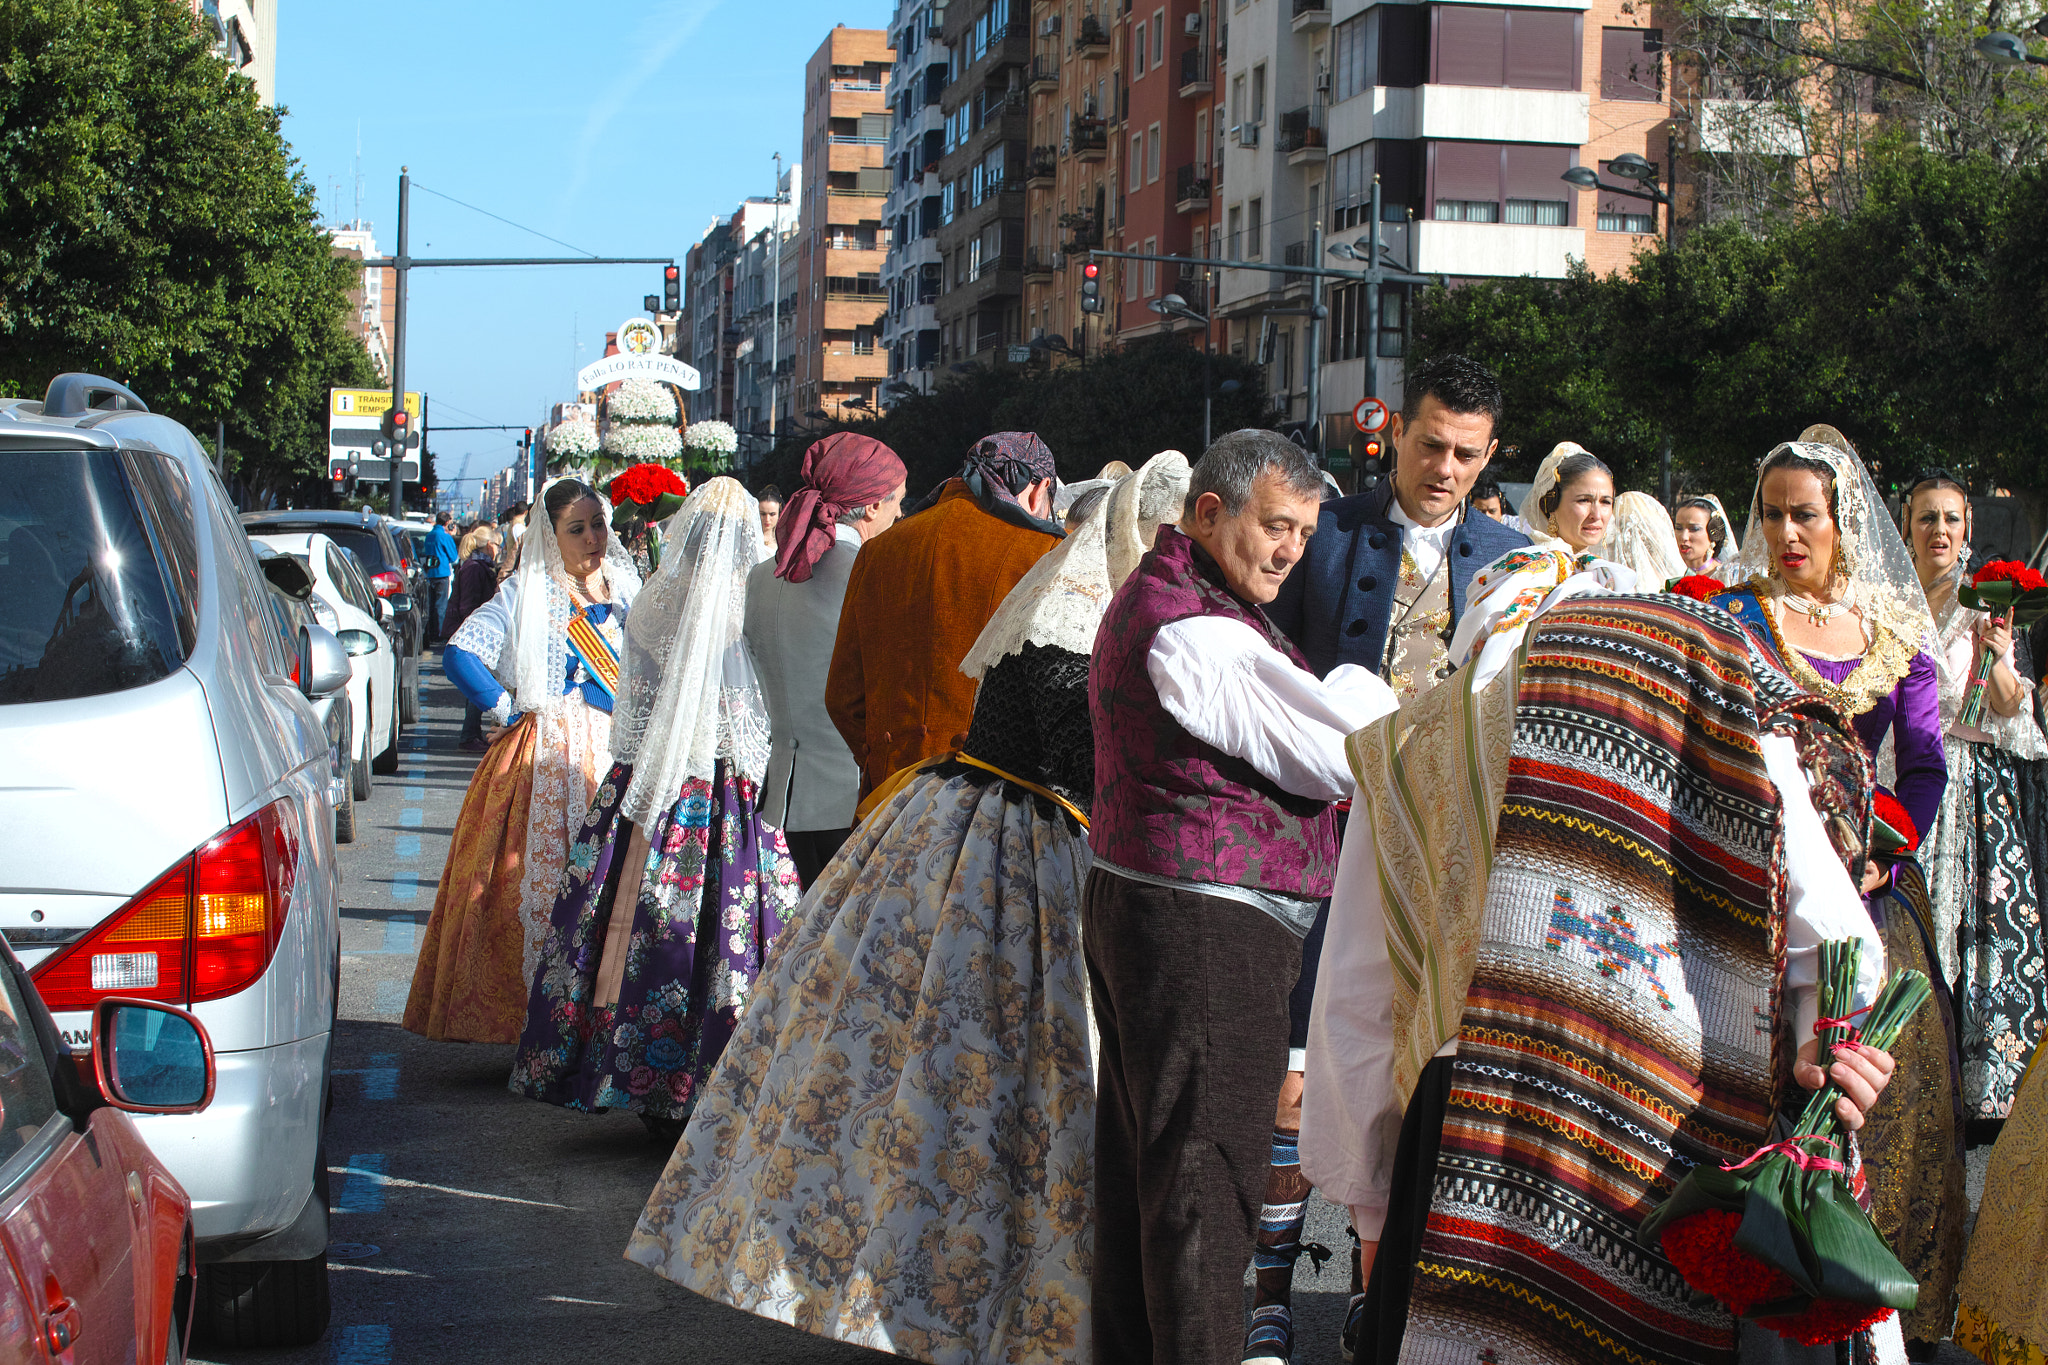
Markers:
{"x": 1230, "y": 689}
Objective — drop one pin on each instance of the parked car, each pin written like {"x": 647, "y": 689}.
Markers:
{"x": 291, "y": 597}
{"x": 97, "y": 1231}
{"x": 345, "y": 603}
{"x": 166, "y": 831}
{"x": 390, "y": 568}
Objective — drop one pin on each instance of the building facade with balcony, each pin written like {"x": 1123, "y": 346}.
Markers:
{"x": 244, "y": 32}
{"x": 842, "y": 235}
{"x": 724, "y": 294}
{"x": 980, "y": 236}
{"x": 1468, "y": 115}
{"x": 912, "y": 268}
{"x": 372, "y": 298}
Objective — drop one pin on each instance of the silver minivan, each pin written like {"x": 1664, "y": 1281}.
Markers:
{"x": 167, "y": 820}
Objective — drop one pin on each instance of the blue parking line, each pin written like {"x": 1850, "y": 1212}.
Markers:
{"x": 405, "y": 886}
{"x": 363, "y": 1192}
{"x": 363, "y": 1346}
{"x": 415, "y": 774}
{"x": 391, "y": 996}
{"x": 412, "y": 815}
{"x": 401, "y": 934}
{"x": 415, "y": 793}
{"x": 406, "y": 846}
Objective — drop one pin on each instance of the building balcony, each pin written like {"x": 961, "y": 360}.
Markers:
{"x": 1038, "y": 265}
{"x": 1090, "y": 142}
{"x": 1091, "y": 38}
{"x": 1310, "y": 14}
{"x": 1191, "y": 189}
{"x": 1480, "y": 249}
{"x": 1302, "y": 137}
{"x": 1042, "y": 167}
{"x": 1197, "y": 72}
{"x": 1045, "y": 74}
{"x": 1756, "y": 126}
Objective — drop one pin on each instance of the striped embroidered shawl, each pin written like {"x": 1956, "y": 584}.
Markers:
{"x": 1622, "y": 1019}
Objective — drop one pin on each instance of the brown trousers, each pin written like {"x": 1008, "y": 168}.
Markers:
{"x": 1190, "y": 996}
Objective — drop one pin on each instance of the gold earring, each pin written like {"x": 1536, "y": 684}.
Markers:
{"x": 1845, "y": 564}
{"x": 1553, "y": 526}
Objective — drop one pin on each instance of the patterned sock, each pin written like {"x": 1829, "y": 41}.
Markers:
{"x": 1271, "y": 1335}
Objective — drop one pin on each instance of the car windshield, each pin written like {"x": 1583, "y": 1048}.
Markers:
{"x": 367, "y": 547}
{"x": 98, "y": 573}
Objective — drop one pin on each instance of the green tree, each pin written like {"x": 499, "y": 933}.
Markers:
{"x": 155, "y": 228}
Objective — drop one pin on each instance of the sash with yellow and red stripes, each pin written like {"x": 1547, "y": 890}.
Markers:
{"x": 595, "y": 653}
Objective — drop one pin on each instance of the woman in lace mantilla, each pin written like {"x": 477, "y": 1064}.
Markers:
{"x": 540, "y": 659}
{"x": 674, "y": 888}
{"x": 898, "y": 1149}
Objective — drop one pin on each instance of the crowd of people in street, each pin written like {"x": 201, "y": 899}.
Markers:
{"x": 1011, "y": 908}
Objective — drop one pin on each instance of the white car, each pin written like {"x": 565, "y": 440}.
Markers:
{"x": 167, "y": 822}
{"x": 345, "y": 603}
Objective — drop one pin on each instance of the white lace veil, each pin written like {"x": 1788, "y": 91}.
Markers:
{"x": 1060, "y": 601}
{"x": 1883, "y": 585}
{"x": 1641, "y": 538}
{"x": 1726, "y": 548}
{"x": 535, "y": 659}
{"x": 687, "y": 691}
{"x": 1534, "y": 519}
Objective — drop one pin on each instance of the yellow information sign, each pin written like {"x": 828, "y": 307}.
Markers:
{"x": 373, "y": 403}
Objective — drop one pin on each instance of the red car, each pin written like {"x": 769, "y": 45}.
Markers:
{"x": 96, "y": 1232}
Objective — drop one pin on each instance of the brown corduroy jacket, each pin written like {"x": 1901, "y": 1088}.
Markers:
{"x": 918, "y": 598}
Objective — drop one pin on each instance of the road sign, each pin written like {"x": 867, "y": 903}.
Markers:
{"x": 1338, "y": 461}
{"x": 355, "y": 418}
{"x": 1370, "y": 415}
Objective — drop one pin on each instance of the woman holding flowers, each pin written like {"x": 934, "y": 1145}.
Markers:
{"x": 1980, "y": 878}
{"x": 1826, "y": 587}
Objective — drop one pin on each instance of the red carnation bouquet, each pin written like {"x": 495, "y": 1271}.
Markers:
{"x": 2004, "y": 587}
{"x": 1892, "y": 831}
{"x": 1703, "y": 587}
{"x": 642, "y": 495}
{"x": 1779, "y": 1236}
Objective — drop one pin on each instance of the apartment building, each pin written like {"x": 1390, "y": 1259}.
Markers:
{"x": 244, "y": 32}
{"x": 725, "y": 295}
{"x": 372, "y": 298}
{"x": 1467, "y": 114}
{"x": 912, "y": 269}
{"x": 842, "y": 238}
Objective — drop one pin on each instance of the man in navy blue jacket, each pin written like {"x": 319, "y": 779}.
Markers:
{"x": 1392, "y": 562}
{"x": 1338, "y": 603}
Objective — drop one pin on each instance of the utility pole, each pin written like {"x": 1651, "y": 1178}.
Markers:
{"x": 1372, "y": 300}
{"x": 1315, "y": 343}
{"x": 775, "y": 295}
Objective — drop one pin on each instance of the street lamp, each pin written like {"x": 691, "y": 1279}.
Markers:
{"x": 2006, "y": 50}
{"x": 1174, "y": 306}
{"x": 1629, "y": 166}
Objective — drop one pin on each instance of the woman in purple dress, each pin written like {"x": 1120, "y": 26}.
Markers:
{"x": 1826, "y": 586}
{"x": 674, "y": 887}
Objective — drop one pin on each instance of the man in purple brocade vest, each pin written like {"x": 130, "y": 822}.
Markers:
{"x": 1217, "y": 754}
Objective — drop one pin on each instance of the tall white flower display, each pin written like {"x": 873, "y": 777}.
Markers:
{"x": 640, "y": 426}
{"x": 571, "y": 445}
{"x": 711, "y": 444}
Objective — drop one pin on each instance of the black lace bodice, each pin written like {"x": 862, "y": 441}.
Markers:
{"x": 1031, "y": 719}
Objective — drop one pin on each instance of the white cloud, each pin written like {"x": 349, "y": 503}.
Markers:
{"x": 664, "y": 30}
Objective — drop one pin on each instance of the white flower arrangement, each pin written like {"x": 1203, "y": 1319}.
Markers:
{"x": 641, "y": 400}
{"x": 642, "y": 443}
{"x": 712, "y": 437}
{"x": 573, "y": 440}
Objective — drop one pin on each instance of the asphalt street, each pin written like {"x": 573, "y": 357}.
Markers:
{"x": 472, "y": 1225}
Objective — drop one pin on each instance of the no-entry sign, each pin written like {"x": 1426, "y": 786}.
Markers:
{"x": 1369, "y": 416}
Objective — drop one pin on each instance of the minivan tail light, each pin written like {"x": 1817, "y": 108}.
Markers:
{"x": 387, "y": 583}
{"x": 207, "y": 928}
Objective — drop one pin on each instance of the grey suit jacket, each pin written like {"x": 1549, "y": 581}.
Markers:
{"x": 813, "y": 782}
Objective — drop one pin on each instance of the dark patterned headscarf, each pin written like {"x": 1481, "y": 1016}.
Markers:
{"x": 998, "y": 469}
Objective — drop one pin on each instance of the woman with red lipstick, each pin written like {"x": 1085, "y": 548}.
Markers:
{"x": 1826, "y": 587}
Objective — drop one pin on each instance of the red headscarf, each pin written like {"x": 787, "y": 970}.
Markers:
{"x": 844, "y": 470}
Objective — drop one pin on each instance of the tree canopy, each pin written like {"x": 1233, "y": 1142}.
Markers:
{"x": 155, "y": 228}
{"x": 1911, "y": 322}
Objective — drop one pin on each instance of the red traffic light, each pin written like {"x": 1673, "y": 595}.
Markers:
{"x": 1372, "y": 450}
{"x": 400, "y": 418}
{"x": 671, "y": 273}
{"x": 1090, "y": 270}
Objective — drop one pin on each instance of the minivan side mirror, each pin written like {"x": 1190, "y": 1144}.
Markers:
{"x": 384, "y": 610}
{"x": 323, "y": 662}
{"x": 151, "y": 1058}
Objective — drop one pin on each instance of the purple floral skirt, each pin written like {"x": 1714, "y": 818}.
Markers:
{"x": 711, "y": 896}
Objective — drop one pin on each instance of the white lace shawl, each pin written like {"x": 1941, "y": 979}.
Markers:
{"x": 1060, "y": 601}
{"x": 1641, "y": 538}
{"x": 2019, "y": 734}
{"x": 688, "y": 694}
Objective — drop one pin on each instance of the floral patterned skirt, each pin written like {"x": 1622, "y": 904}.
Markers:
{"x": 898, "y": 1148}
{"x": 631, "y": 1004}
{"x": 478, "y": 953}
{"x": 2004, "y": 1317}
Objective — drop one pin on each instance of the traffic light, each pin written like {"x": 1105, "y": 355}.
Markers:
{"x": 651, "y": 304}
{"x": 1091, "y": 288}
{"x": 1369, "y": 454}
{"x": 671, "y": 289}
{"x": 398, "y": 427}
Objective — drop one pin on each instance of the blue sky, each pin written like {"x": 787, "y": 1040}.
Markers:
{"x": 620, "y": 129}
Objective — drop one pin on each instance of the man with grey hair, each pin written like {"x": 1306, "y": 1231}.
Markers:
{"x": 1217, "y": 754}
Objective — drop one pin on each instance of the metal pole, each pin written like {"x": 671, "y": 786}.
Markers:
{"x": 1208, "y": 389}
{"x": 775, "y": 293}
{"x": 1315, "y": 344}
{"x": 400, "y": 264}
{"x": 1372, "y": 299}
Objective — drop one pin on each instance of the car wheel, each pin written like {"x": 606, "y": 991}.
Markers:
{"x": 264, "y": 1303}
{"x": 409, "y": 698}
{"x": 386, "y": 762}
{"x": 359, "y": 772}
{"x": 345, "y": 813}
